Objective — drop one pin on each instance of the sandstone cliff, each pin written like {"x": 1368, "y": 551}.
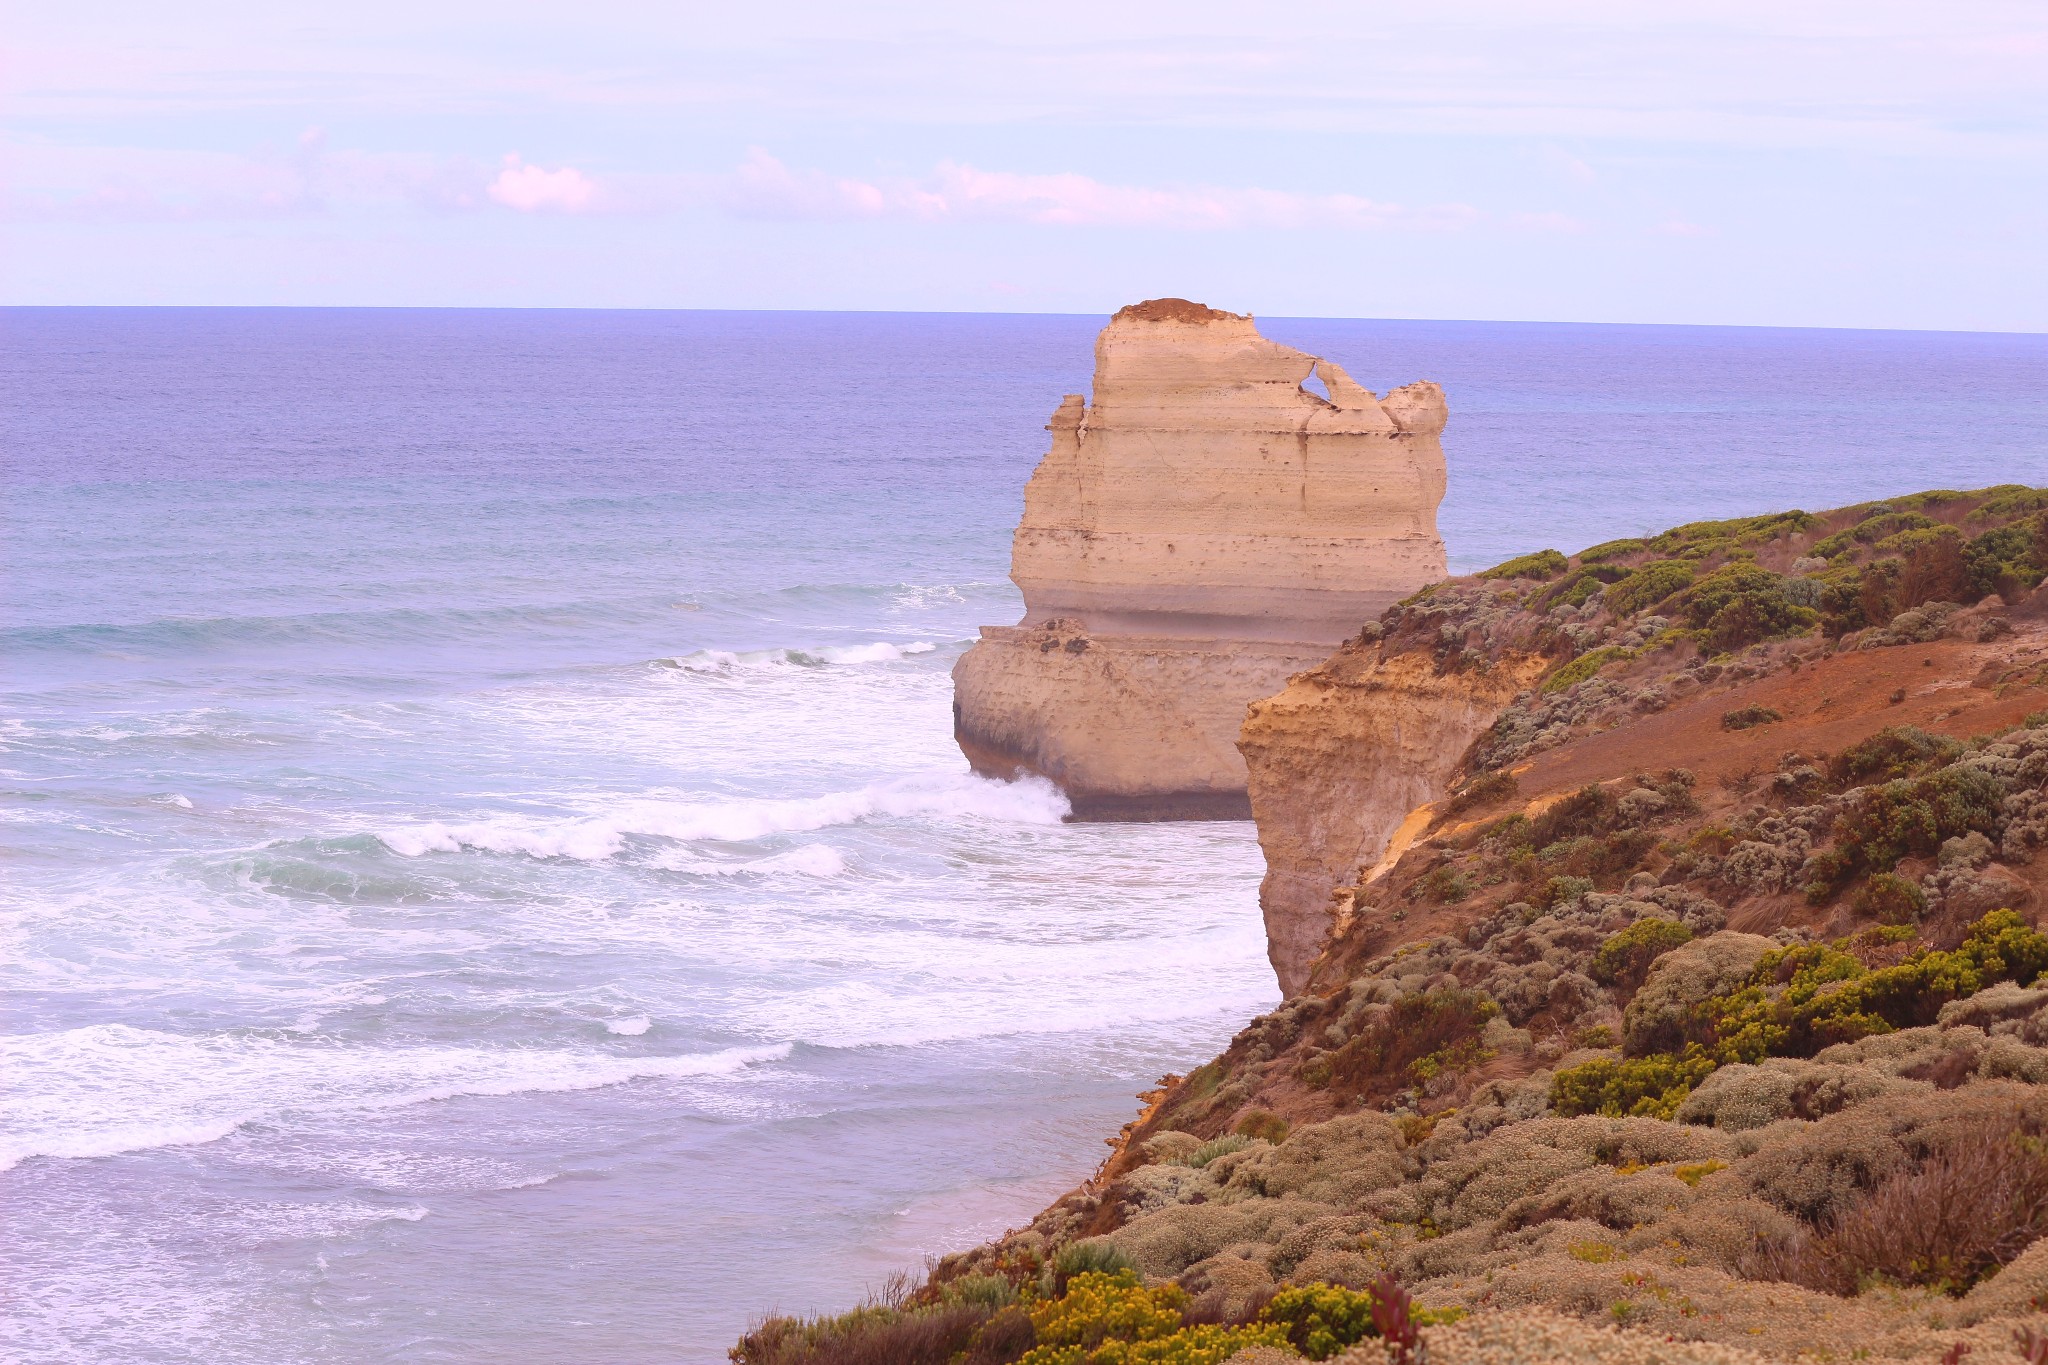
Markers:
{"x": 1202, "y": 529}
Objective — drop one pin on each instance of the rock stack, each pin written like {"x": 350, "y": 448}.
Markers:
{"x": 1206, "y": 527}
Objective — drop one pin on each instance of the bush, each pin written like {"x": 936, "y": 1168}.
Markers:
{"x": 1890, "y": 900}
{"x": 1544, "y": 564}
{"x": 1612, "y": 549}
{"x": 1812, "y": 995}
{"x": 1893, "y": 752}
{"x": 1648, "y": 586}
{"x": 873, "y": 1335}
{"x": 1961, "y": 1215}
{"x": 1739, "y": 605}
{"x": 1114, "y": 1320}
{"x": 1322, "y": 1319}
{"x": 1215, "y": 1147}
{"x": 1263, "y": 1123}
{"x": 1094, "y": 1258}
{"x": 1625, "y": 958}
{"x": 1585, "y": 666}
{"x": 1415, "y": 1040}
{"x": 1749, "y": 717}
{"x": 1638, "y": 1087}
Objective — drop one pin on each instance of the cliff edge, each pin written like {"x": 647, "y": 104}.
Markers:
{"x": 1202, "y": 529}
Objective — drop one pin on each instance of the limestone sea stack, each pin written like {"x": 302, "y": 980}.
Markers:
{"x": 1202, "y": 529}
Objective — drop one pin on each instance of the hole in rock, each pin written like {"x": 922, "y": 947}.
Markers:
{"x": 1314, "y": 384}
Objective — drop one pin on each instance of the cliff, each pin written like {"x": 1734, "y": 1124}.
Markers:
{"x": 1203, "y": 528}
{"x": 1695, "y": 1010}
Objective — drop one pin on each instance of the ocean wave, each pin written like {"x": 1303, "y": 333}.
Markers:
{"x": 107, "y": 1089}
{"x": 1029, "y": 800}
{"x": 726, "y": 661}
{"x": 805, "y": 860}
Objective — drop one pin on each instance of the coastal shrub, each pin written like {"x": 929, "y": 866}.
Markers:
{"x": 1215, "y": 1147}
{"x": 872, "y": 1335}
{"x": 1543, "y": 564}
{"x": 1113, "y": 1319}
{"x": 1890, "y": 900}
{"x": 1737, "y": 531}
{"x": 1639, "y": 1087}
{"x": 1563, "y": 890}
{"x": 1893, "y": 752}
{"x": 1445, "y": 885}
{"x": 1749, "y": 717}
{"x": 1416, "y": 1039}
{"x": 1904, "y": 818}
{"x": 1959, "y": 1216}
{"x": 1585, "y": 666}
{"x": 1321, "y": 1320}
{"x": 1803, "y": 998}
{"x": 1647, "y": 586}
{"x": 1624, "y": 959}
{"x": 1739, "y": 605}
{"x": 1265, "y": 1124}
{"x": 1095, "y": 1257}
{"x": 1612, "y": 549}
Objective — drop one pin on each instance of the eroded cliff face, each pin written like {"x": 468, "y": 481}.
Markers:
{"x": 1339, "y": 760}
{"x": 1200, "y": 531}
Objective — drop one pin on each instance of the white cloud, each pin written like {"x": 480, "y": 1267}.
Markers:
{"x": 531, "y": 189}
{"x": 764, "y": 187}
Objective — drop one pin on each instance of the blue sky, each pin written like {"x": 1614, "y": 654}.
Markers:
{"x": 1804, "y": 162}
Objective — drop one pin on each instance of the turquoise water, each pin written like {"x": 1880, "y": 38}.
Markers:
{"x": 489, "y": 878}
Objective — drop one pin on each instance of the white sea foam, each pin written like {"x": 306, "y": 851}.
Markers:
{"x": 630, "y": 1028}
{"x": 1029, "y": 800}
{"x": 726, "y": 661}
{"x": 112, "y": 1088}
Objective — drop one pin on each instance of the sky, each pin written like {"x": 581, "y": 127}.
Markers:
{"x": 1876, "y": 164}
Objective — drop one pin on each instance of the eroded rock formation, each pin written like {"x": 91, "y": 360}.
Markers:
{"x": 1200, "y": 531}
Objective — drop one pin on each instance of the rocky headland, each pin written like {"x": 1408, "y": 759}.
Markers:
{"x": 1659, "y": 927}
{"x": 1203, "y": 527}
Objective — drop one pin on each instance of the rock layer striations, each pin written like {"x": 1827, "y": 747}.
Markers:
{"x": 1203, "y": 529}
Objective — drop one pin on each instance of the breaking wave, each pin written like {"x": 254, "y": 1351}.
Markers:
{"x": 110, "y": 1088}
{"x": 725, "y": 661}
{"x": 1029, "y": 800}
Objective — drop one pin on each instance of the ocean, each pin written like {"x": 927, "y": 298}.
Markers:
{"x": 488, "y": 876}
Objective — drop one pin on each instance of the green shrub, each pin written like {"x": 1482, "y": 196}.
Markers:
{"x": 1612, "y": 549}
{"x": 1648, "y": 586}
{"x": 1801, "y": 999}
{"x": 1625, "y": 958}
{"x": 1322, "y": 1319}
{"x": 1113, "y": 1319}
{"x": 1749, "y": 717}
{"x": 1585, "y": 666}
{"x": 1419, "y": 1037}
{"x": 1564, "y": 890}
{"x": 1739, "y": 605}
{"x": 1895, "y": 751}
{"x": 1215, "y": 1147}
{"x": 1089, "y": 1258}
{"x": 1639, "y": 1087}
{"x": 1263, "y": 1123}
{"x": 1445, "y": 885}
{"x": 1544, "y": 564}
{"x": 1890, "y": 900}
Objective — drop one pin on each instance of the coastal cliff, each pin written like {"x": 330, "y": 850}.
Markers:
{"x": 1200, "y": 530}
{"x": 1670, "y": 985}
